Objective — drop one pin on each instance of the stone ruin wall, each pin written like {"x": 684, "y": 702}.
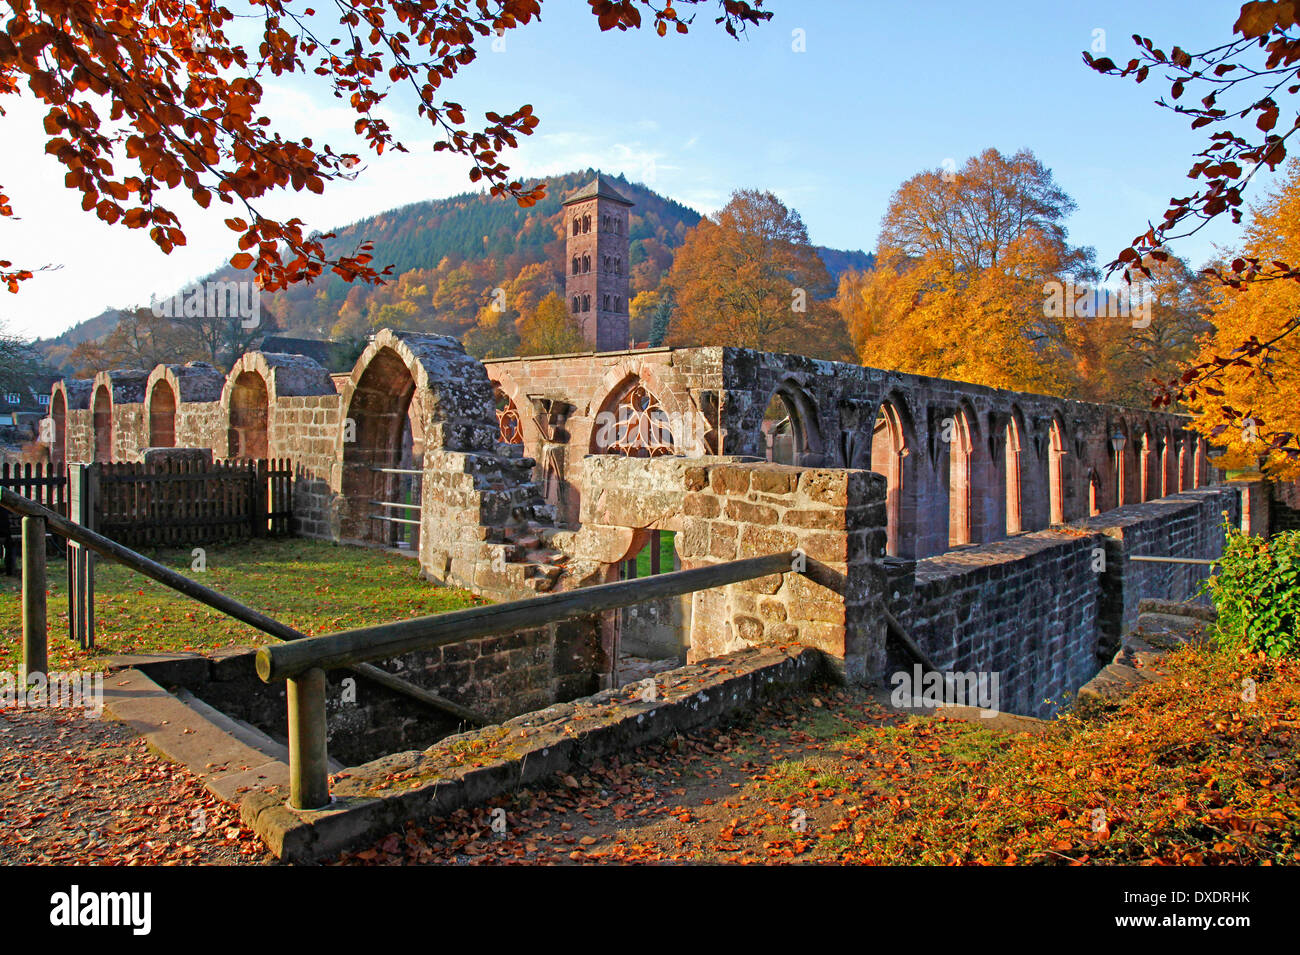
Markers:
{"x": 510, "y": 521}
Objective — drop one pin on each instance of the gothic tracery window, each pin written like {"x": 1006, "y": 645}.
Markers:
{"x": 512, "y": 431}
{"x": 636, "y": 425}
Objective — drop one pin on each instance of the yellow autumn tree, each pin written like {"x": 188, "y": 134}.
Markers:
{"x": 930, "y": 316}
{"x": 749, "y": 277}
{"x": 550, "y": 329}
{"x": 1263, "y": 399}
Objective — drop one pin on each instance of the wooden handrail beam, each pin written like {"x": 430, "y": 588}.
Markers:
{"x": 381, "y": 642}
{"x": 216, "y": 600}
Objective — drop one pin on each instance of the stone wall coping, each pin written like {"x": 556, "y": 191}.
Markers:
{"x": 470, "y": 768}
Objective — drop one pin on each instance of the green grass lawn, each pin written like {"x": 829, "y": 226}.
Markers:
{"x": 314, "y": 586}
{"x": 665, "y": 555}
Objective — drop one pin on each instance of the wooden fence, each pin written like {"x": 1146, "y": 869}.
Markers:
{"x": 182, "y": 503}
{"x": 172, "y": 504}
{"x": 43, "y": 483}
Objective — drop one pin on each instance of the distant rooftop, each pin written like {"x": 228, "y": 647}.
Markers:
{"x": 332, "y": 356}
{"x": 598, "y": 188}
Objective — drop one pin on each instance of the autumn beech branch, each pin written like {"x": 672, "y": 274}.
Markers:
{"x": 186, "y": 104}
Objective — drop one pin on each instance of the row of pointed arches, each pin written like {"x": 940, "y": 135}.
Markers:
{"x": 997, "y": 479}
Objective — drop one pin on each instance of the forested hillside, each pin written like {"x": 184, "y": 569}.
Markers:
{"x": 448, "y": 258}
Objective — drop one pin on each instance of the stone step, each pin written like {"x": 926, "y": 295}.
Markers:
{"x": 1178, "y": 609}
{"x": 1168, "y": 631}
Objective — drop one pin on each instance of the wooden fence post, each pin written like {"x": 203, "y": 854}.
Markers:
{"x": 35, "y": 635}
{"x": 260, "y": 503}
{"x": 83, "y": 488}
{"x": 309, "y": 782}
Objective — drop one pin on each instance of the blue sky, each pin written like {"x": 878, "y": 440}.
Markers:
{"x": 880, "y": 92}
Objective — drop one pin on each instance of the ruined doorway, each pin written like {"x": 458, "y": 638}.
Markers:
{"x": 103, "y": 422}
{"x": 654, "y": 635}
{"x": 162, "y": 416}
{"x": 248, "y": 434}
{"x": 383, "y": 457}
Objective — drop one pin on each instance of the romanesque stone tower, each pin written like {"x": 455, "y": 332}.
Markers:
{"x": 596, "y": 270}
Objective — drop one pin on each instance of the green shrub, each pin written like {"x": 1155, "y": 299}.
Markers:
{"x": 1257, "y": 594}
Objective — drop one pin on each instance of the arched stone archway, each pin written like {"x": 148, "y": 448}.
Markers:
{"x": 103, "y": 424}
{"x": 892, "y": 443}
{"x": 412, "y": 396}
{"x": 962, "y": 443}
{"x": 59, "y": 417}
{"x": 791, "y": 430}
{"x": 1094, "y": 493}
{"x": 162, "y": 415}
{"x": 1012, "y": 472}
{"x": 249, "y": 422}
{"x": 632, "y": 421}
{"x": 1056, "y": 473}
{"x": 384, "y": 435}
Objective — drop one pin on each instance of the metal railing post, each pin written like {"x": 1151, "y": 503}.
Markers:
{"x": 35, "y": 634}
{"x": 309, "y": 781}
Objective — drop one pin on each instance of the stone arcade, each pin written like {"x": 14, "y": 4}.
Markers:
{"x": 980, "y": 527}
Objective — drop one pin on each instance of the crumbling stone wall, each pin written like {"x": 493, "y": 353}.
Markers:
{"x": 1058, "y": 453}
{"x": 559, "y": 401}
{"x": 725, "y": 510}
{"x": 417, "y": 404}
{"x": 72, "y": 428}
{"x": 476, "y": 491}
{"x": 303, "y": 425}
{"x": 127, "y": 420}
